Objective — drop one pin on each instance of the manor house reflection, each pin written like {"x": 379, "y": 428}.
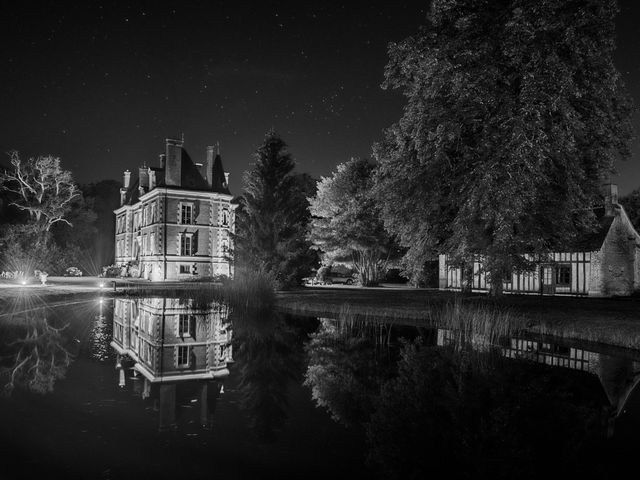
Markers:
{"x": 174, "y": 352}
{"x": 171, "y": 339}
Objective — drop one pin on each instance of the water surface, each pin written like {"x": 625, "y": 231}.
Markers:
{"x": 163, "y": 387}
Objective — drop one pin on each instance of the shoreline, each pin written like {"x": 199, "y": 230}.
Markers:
{"x": 607, "y": 321}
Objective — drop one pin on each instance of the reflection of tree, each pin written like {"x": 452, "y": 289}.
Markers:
{"x": 35, "y": 359}
{"x": 268, "y": 358}
{"x": 346, "y": 369}
{"x": 453, "y": 411}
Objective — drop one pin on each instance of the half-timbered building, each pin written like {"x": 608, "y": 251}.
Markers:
{"x": 606, "y": 263}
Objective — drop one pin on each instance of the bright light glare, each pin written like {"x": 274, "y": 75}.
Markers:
{"x": 101, "y": 284}
{"x": 24, "y": 282}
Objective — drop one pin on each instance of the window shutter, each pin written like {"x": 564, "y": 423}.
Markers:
{"x": 192, "y": 327}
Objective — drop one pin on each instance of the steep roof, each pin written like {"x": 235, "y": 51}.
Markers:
{"x": 219, "y": 182}
{"x": 192, "y": 177}
{"x": 133, "y": 193}
{"x": 593, "y": 241}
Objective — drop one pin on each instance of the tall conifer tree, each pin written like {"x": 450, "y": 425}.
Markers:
{"x": 273, "y": 217}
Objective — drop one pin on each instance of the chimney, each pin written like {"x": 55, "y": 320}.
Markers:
{"x": 143, "y": 176}
{"x": 173, "y": 163}
{"x": 163, "y": 159}
{"x": 610, "y": 199}
{"x": 226, "y": 179}
{"x": 126, "y": 178}
{"x": 152, "y": 179}
{"x": 207, "y": 172}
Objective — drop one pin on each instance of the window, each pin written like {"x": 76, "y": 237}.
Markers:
{"x": 186, "y": 214}
{"x": 182, "y": 358}
{"x": 185, "y": 269}
{"x": 152, "y": 244}
{"x": 563, "y": 275}
{"x": 186, "y": 244}
{"x": 225, "y": 217}
{"x": 186, "y": 325}
{"x": 153, "y": 213}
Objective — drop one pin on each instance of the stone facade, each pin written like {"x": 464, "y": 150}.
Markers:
{"x": 615, "y": 270}
{"x": 175, "y": 221}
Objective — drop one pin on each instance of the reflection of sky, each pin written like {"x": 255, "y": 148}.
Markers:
{"x": 94, "y": 428}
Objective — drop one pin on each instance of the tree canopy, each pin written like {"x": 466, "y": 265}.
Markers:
{"x": 346, "y": 223}
{"x": 272, "y": 219}
{"x": 41, "y": 188}
{"x": 514, "y": 115}
{"x": 48, "y": 224}
{"x": 631, "y": 204}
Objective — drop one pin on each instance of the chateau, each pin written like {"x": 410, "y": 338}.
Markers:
{"x": 175, "y": 220}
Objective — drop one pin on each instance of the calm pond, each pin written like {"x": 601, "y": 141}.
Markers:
{"x": 162, "y": 387}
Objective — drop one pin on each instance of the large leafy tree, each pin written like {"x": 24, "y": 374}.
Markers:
{"x": 514, "y": 115}
{"x": 48, "y": 224}
{"x": 346, "y": 223}
{"x": 272, "y": 219}
{"x": 41, "y": 188}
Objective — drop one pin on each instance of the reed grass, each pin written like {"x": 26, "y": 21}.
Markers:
{"x": 245, "y": 292}
{"x": 475, "y": 323}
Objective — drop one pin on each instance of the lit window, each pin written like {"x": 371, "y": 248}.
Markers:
{"x": 186, "y": 214}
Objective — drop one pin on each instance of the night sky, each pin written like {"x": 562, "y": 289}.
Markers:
{"x": 102, "y": 84}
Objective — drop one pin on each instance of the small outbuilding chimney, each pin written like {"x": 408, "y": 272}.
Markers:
{"x": 126, "y": 179}
{"x": 610, "y": 199}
